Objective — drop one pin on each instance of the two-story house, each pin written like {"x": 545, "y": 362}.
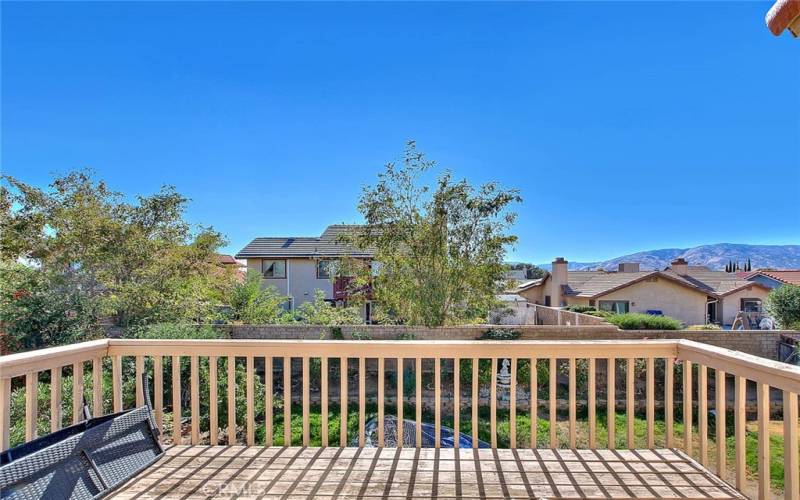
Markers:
{"x": 298, "y": 265}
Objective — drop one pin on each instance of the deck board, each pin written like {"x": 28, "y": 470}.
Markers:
{"x": 275, "y": 472}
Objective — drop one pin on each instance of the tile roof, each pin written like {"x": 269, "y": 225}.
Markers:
{"x": 326, "y": 245}
{"x": 226, "y": 259}
{"x": 590, "y": 284}
{"x": 788, "y": 276}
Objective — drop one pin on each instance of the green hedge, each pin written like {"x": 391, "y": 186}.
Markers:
{"x": 639, "y": 321}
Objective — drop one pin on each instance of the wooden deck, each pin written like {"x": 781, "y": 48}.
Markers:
{"x": 259, "y": 472}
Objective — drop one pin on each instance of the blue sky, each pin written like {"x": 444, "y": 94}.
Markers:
{"x": 626, "y": 126}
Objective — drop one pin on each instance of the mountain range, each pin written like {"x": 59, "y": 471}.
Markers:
{"x": 715, "y": 257}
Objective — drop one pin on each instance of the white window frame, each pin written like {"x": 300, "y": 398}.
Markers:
{"x": 263, "y": 275}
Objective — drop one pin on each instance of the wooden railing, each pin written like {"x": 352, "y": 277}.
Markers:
{"x": 600, "y": 361}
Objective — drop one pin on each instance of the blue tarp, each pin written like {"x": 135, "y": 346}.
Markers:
{"x": 410, "y": 435}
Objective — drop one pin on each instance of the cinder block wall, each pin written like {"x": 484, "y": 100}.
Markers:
{"x": 762, "y": 343}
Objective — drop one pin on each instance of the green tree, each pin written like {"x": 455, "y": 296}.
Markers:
{"x": 783, "y": 303}
{"x": 40, "y": 308}
{"x": 136, "y": 262}
{"x": 440, "y": 247}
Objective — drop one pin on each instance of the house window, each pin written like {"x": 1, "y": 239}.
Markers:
{"x": 615, "y": 306}
{"x": 547, "y": 301}
{"x": 751, "y": 305}
{"x": 323, "y": 269}
{"x": 273, "y": 269}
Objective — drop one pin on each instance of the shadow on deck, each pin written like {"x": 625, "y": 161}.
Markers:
{"x": 296, "y": 472}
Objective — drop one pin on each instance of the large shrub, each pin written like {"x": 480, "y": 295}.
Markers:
{"x": 580, "y": 308}
{"x": 783, "y": 303}
{"x": 639, "y": 321}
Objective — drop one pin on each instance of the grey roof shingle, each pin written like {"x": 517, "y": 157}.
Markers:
{"x": 326, "y": 245}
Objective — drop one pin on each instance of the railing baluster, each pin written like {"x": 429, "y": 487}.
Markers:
{"x": 762, "y": 394}
{"x": 213, "y": 401}
{"x": 231, "y": 400}
{"x": 418, "y": 400}
{"x": 493, "y": 404}
{"x": 380, "y": 401}
{"x": 306, "y": 401}
{"x": 592, "y": 388}
{"x": 55, "y": 399}
{"x": 269, "y": 404}
{"x": 629, "y": 411}
{"x": 740, "y": 420}
{"x": 669, "y": 405}
{"x": 552, "y": 395}
{"x": 343, "y": 402}
{"x": 651, "y": 403}
{"x": 572, "y": 405}
{"x": 194, "y": 395}
{"x": 687, "y": 407}
{"x": 97, "y": 387}
{"x": 139, "y": 388}
{"x": 287, "y": 401}
{"x": 534, "y": 402}
{"x": 5, "y": 413}
{"x": 702, "y": 412}
{"x": 31, "y": 402}
{"x": 791, "y": 464}
{"x": 116, "y": 381}
{"x": 611, "y": 403}
{"x": 437, "y": 401}
{"x": 77, "y": 392}
{"x": 719, "y": 392}
{"x": 250, "y": 438}
{"x": 362, "y": 400}
{"x": 323, "y": 431}
{"x": 456, "y": 402}
{"x": 512, "y": 410}
{"x": 400, "y": 402}
{"x": 176, "y": 400}
{"x": 474, "y": 409}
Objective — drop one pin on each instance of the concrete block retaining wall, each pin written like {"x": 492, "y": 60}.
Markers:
{"x": 762, "y": 343}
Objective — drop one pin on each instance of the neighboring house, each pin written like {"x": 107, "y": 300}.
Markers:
{"x": 228, "y": 262}
{"x": 298, "y": 265}
{"x": 516, "y": 275}
{"x": 691, "y": 294}
{"x": 772, "y": 278}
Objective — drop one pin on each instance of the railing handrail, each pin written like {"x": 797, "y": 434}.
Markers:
{"x": 563, "y": 349}
{"x": 775, "y": 373}
{"x": 14, "y": 365}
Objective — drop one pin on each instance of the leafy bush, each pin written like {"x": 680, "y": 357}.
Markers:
{"x": 321, "y": 312}
{"x": 256, "y": 306}
{"x": 493, "y": 334}
{"x": 599, "y": 313}
{"x": 783, "y": 303}
{"x": 176, "y": 331}
{"x": 639, "y": 321}
{"x": 579, "y": 308}
{"x": 361, "y": 335}
{"x": 709, "y": 326}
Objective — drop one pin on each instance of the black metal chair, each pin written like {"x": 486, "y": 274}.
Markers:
{"x": 86, "y": 460}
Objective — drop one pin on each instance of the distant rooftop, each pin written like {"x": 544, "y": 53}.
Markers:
{"x": 328, "y": 244}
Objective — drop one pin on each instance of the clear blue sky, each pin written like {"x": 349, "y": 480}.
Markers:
{"x": 627, "y": 126}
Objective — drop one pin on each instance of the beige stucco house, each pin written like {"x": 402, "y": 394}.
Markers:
{"x": 694, "y": 295}
{"x": 297, "y": 266}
